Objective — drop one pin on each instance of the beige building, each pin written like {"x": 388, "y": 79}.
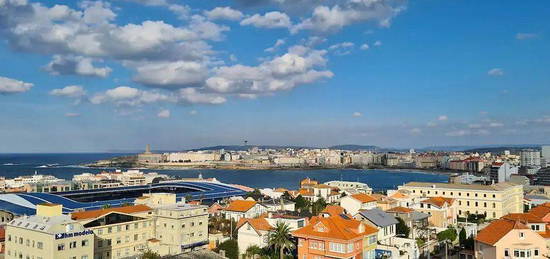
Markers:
{"x": 442, "y": 211}
{"x": 494, "y": 200}
{"x": 506, "y": 238}
{"x": 356, "y": 202}
{"x": 119, "y": 232}
{"x": 181, "y": 227}
{"x": 48, "y": 235}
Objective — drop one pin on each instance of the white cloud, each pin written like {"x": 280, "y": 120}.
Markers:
{"x": 164, "y": 113}
{"x": 273, "y": 19}
{"x": 496, "y": 124}
{"x": 278, "y": 43}
{"x": 175, "y": 74}
{"x": 193, "y": 112}
{"x": 442, "y": 118}
{"x": 224, "y": 13}
{"x": 72, "y": 91}
{"x": 525, "y": 36}
{"x": 75, "y": 65}
{"x": 357, "y": 114}
{"x": 431, "y": 124}
{"x": 128, "y": 96}
{"x": 496, "y": 72}
{"x": 72, "y": 114}
{"x": 298, "y": 66}
{"x": 364, "y": 46}
{"x": 342, "y": 48}
{"x": 416, "y": 131}
{"x": 467, "y": 132}
{"x": 377, "y": 43}
{"x": 13, "y": 86}
{"x": 344, "y": 13}
{"x": 193, "y": 96}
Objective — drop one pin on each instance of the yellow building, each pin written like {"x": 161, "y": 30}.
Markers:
{"x": 494, "y": 200}
{"x": 181, "y": 227}
{"x": 48, "y": 235}
{"x": 119, "y": 232}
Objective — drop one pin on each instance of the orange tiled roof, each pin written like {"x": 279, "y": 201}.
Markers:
{"x": 364, "y": 198}
{"x": 399, "y": 195}
{"x": 305, "y": 192}
{"x": 333, "y": 210}
{"x": 98, "y": 213}
{"x": 240, "y": 205}
{"x": 541, "y": 211}
{"x": 257, "y": 223}
{"x": 400, "y": 210}
{"x": 497, "y": 230}
{"x": 524, "y": 217}
{"x": 334, "y": 227}
{"x": 439, "y": 201}
{"x": 281, "y": 190}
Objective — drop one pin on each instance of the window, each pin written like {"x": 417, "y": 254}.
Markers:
{"x": 84, "y": 257}
{"x": 506, "y": 252}
{"x": 494, "y": 205}
{"x": 536, "y": 252}
{"x": 136, "y": 237}
{"x": 521, "y": 235}
{"x": 459, "y": 194}
{"x": 485, "y": 204}
{"x": 72, "y": 244}
{"x": 100, "y": 231}
{"x": 110, "y": 230}
{"x": 372, "y": 239}
{"x": 337, "y": 247}
{"x": 350, "y": 247}
{"x": 127, "y": 227}
{"x": 494, "y": 196}
{"x": 476, "y": 203}
{"x": 118, "y": 240}
{"x": 85, "y": 242}
{"x": 40, "y": 245}
{"x": 100, "y": 243}
{"x": 60, "y": 247}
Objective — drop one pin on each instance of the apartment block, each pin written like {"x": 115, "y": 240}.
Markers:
{"x": 494, "y": 200}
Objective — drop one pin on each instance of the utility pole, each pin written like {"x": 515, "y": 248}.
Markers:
{"x": 446, "y": 254}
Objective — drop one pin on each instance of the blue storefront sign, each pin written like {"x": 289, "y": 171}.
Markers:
{"x": 74, "y": 234}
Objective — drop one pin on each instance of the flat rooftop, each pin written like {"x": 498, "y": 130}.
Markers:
{"x": 493, "y": 187}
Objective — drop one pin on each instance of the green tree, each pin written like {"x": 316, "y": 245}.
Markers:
{"x": 150, "y": 255}
{"x": 287, "y": 196}
{"x": 256, "y": 194}
{"x": 462, "y": 237}
{"x": 448, "y": 234}
{"x": 106, "y": 206}
{"x": 280, "y": 238}
{"x": 402, "y": 228}
{"x": 231, "y": 248}
{"x": 301, "y": 203}
{"x": 318, "y": 206}
{"x": 254, "y": 250}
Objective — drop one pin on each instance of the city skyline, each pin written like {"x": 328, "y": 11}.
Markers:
{"x": 95, "y": 76}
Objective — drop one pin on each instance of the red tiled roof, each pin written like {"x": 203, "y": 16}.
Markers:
{"x": 334, "y": 227}
{"x": 333, "y": 210}
{"x": 524, "y": 217}
{"x": 98, "y": 213}
{"x": 240, "y": 205}
{"x": 497, "y": 230}
{"x": 438, "y": 201}
{"x": 257, "y": 223}
{"x": 364, "y": 198}
{"x": 400, "y": 210}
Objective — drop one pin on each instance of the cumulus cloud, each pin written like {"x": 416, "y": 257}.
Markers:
{"x": 13, "y": 86}
{"x": 193, "y": 112}
{"x": 525, "y": 36}
{"x": 415, "y": 131}
{"x": 277, "y": 44}
{"x": 299, "y": 66}
{"x": 467, "y": 132}
{"x": 175, "y": 74}
{"x": 365, "y": 46}
{"x": 75, "y": 65}
{"x": 273, "y": 19}
{"x": 495, "y": 72}
{"x": 129, "y": 96}
{"x": 334, "y": 18}
{"x": 377, "y": 43}
{"x": 342, "y": 48}
{"x": 224, "y": 13}
{"x": 72, "y": 91}
{"x": 164, "y": 113}
{"x": 442, "y": 118}
{"x": 357, "y": 114}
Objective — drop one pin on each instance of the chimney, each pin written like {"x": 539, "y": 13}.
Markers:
{"x": 49, "y": 210}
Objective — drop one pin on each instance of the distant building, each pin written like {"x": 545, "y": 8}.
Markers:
{"x": 350, "y": 187}
{"x": 501, "y": 172}
{"x": 545, "y": 156}
{"x": 148, "y": 157}
{"x": 443, "y": 211}
{"x": 530, "y": 158}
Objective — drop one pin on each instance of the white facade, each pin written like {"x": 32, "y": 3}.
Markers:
{"x": 357, "y": 186}
{"x": 352, "y": 205}
{"x": 253, "y": 212}
{"x": 530, "y": 158}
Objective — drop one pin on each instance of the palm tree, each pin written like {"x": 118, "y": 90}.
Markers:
{"x": 280, "y": 238}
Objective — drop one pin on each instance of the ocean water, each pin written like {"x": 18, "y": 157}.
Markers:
{"x": 66, "y": 165}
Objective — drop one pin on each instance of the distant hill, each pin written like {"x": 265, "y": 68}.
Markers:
{"x": 352, "y": 147}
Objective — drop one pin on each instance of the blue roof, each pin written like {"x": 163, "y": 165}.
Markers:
{"x": 25, "y": 203}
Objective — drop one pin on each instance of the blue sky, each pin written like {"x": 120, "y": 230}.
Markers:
{"x": 83, "y": 76}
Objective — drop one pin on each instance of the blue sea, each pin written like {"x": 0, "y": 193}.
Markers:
{"x": 66, "y": 165}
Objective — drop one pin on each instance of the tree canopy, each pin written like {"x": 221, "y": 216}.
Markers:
{"x": 402, "y": 228}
